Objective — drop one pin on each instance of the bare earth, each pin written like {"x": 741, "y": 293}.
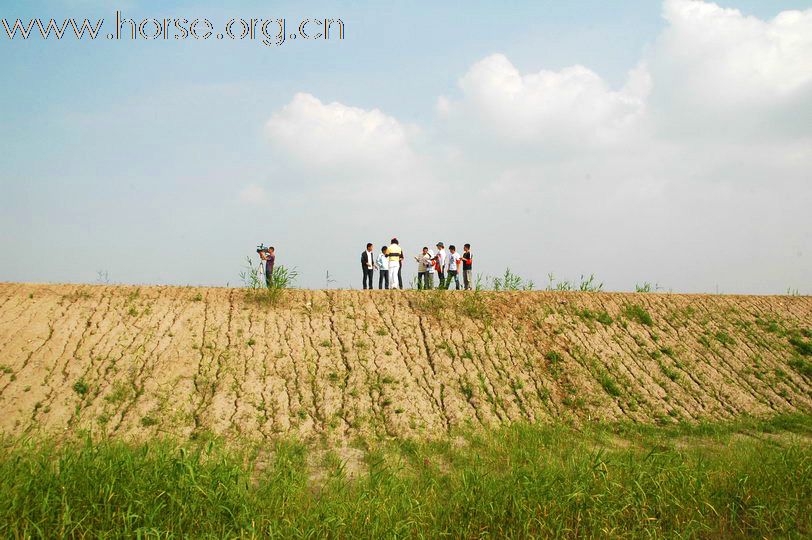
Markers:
{"x": 137, "y": 362}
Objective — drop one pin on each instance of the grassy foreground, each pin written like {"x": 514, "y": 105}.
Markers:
{"x": 747, "y": 478}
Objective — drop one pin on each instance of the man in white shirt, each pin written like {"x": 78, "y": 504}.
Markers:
{"x": 441, "y": 260}
{"x": 454, "y": 261}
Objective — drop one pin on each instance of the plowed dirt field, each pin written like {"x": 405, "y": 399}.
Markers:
{"x": 140, "y": 361}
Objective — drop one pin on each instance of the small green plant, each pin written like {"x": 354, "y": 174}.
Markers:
{"x": 804, "y": 347}
{"x": 646, "y": 287}
{"x": 197, "y": 298}
{"x": 609, "y": 385}
{"x": 668, "y": 372}
{"x": 637, "y": 313}
{"x": 511, "y": 282}
{"x": 553, "y": 357}
{"x": 802, "y": 366}
{"x": 724, "y": 338}
{"x": 81, "y": 387}
{"x": 251, "y": 342}
{"x": 589, "y": 284}
{"x": 467, "y": 390}
{"x": 121, "y": 391}
{"x": 148, "y": 421}
{"x": 603, "y": 318}
{"x": 553, "y": 285}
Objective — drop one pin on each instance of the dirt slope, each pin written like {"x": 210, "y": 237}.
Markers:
{"x": 131, "y": 361}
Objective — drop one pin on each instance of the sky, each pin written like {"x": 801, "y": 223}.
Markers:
{"x": 640, "y": 141}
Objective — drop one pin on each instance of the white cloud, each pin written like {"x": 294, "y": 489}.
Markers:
{"x": 338, "y": 138}
{"x": 719, "y": 72}
{"x": 570, "y": 106}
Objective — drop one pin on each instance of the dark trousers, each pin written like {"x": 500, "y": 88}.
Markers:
{"x": 383, "y": 278}
{"x": 421, "y": 280}
{"x": 441, "y": 280}
{"x": 453, "y": 274}
{"x": 400, "y": 277}
{"x": 368, "y": 276}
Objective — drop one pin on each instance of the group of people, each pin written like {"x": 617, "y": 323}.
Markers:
{"x": 445, "y": 264}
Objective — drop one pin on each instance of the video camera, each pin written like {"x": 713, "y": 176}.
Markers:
{"x": 262, "y": 248}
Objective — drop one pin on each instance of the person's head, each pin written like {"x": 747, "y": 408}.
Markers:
{"x": 369, "y": 246}
{"x": 425, "y": 250}
{"x": 452, "y": 248}
{"x": 467, "y": 247}
{"x": 440, "y": 245}
{"x": 394, "y": 240}
{"x": 384, "y": 249}
{"x": 270, "y": 250}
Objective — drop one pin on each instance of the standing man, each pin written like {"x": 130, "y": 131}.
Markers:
{"x": 467, "y": 266}
{"x": 422, "y": 267}
{"x": 269, "y": 257}
{"x": 400, "y": 269}
{"x": 395, "y": 254}
{"x": 383, "y": 268}
{"x": 431, "y": 268}
{"x": 454, "y": 261}
{"x": 441, "y": 261}
{"x": 368, "y": 265}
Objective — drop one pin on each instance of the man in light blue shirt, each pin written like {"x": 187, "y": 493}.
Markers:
{"x": 383, "y": 268}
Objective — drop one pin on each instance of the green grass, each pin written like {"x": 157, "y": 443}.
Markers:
{"x": 609, "y": 385}
{"x": 802, "y": 366}
{"x": 627, "y": 480}
{"x": 475, "y": 306}
{"x": 801, "y": 345}
{"x": 637, "y": 313}
{"x": 81, "y": 387}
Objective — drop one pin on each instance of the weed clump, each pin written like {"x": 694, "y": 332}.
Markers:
{"x": 802, "y": 366}
{"x": 638, "y": 313}
{"x": 804, "y": 347}
{"x": 724, "y": 338}
{"x": 609, "y": 385}
{"x": 553, "y": 357}
{"x": 511, "y": 282}
{"x": 81, "y": 387}
{"x": 259, "y": 291}
{"x": 475, "y": 306}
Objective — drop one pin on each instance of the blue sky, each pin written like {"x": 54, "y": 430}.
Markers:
{"x": 167, "y": 161}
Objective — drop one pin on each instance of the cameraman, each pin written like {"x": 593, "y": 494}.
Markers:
{"x": 268, "y": 256}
